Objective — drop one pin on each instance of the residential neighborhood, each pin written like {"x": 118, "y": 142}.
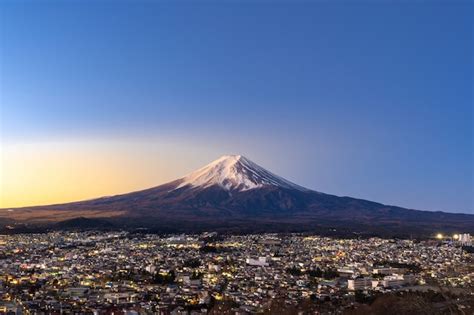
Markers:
{"x": 134, "y": 273}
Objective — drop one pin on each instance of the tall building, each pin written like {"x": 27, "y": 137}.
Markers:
{"x": 465, "y": 239}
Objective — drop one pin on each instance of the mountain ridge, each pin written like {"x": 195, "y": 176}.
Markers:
{"x": 234, "y": 191}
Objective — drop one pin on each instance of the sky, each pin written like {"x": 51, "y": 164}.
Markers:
{"x": 369, "y": 99}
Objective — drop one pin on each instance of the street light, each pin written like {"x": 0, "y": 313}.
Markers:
{"x": 439, "y": 236}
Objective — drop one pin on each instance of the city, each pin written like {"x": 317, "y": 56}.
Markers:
{"x": 132, "y": 273}
{"x": 236, "y": 157}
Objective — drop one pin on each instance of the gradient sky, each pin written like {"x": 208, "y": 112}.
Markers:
{"x": 370, "y": 99}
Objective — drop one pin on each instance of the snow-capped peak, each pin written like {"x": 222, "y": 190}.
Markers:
{"x": 235, "y": 172}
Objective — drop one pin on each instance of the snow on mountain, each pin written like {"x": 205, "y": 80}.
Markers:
{"x": 235, "y": 172}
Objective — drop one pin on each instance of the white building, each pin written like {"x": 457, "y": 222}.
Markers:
{"x": 387, "y": 270}
{"x": 345, "y": 272}
{"x": 150, "y": 268}
{"x": 213, "y": 268}
{"x": 359, "y": 284}
{"x": 465, "y": 239}
{"x": 260, "y": 261}
{"x": 397, "y": 280}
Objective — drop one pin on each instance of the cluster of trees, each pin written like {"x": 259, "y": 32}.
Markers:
{"x": 209, "y": 249}
{"x": 329, "y": 273}
{"x": 361, "y": 297}
{"x": 394, "y": 264}
{"x": 197, "y": 275}
{"x": 468, "y": 249}
{"x": 294, "y": 271}
{"x": 192, "y": 263}
{"x": 412, "y": 302}
{"x": 168, "y": 278}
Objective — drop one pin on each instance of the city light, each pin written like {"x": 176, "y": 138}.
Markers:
{"x": 209, "y": 275}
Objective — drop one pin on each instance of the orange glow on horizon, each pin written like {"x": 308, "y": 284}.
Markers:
{"x": 59, "y": 172}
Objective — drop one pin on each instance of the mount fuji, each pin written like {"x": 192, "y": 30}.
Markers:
{"x": 234, "y": 194}
{"x": 235, "y": 172}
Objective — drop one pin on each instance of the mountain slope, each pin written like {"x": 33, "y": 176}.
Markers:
{"x": 235, "y": 172}
{"x": 234, "y": 192}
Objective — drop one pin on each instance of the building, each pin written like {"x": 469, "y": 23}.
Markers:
{"x": 345, "y": 272}
{"x": 393, "y": 281}
{"x": 362, "y": 283}
{"x": 261, "y": 261}
{"x": 387, "y": 270}
{"x": 465, "y": 239}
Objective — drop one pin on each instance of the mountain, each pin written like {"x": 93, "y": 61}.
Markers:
{"x": 235, "y": 173}
{"x": 235, "y": 194}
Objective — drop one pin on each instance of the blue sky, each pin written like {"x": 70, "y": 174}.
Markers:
{"x": 371, "y": 100}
